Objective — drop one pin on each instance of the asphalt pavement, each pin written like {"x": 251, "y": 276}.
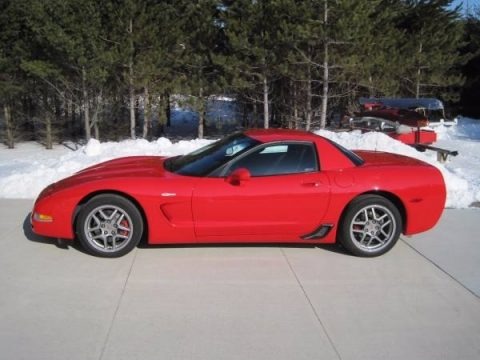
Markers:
{"x": 419, "y": 301}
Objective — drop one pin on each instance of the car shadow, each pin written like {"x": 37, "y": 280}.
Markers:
{"x": 335, "y": 248}
{"x": 59, "y": 243}
{"x": 67, "y": 244}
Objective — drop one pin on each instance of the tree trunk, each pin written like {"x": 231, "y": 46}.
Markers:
{"x": 245, "y": 122}
{"x": 8, "y": 126}
{"x": 419, "y": 74}
{"x": 86, "y": 105}
{"x": 163, "y": 107}
{"x": 323, "y": 114}
{"x": 201, "y": 115}
{"x": 168, "y": 110}
{"x": 371, "y": 87}
{"x": 131, "y": 89}
{"x": 48, "y": 123}
{"x": 95, "y": 121}
{"x": 68, "y": 115}
{"x": 266, "y": 115}
{"x": 147, "y": 121}
{"x": 60, "y": 113}
{"x": 131, "y": 93}
{"x": 48, "y": 131}
{"x": 29, "y": 111}
{"x": 296, "y": 120}
{"x": 308, "y": 106}
{"x": 74, "y": 110}
{"x": 96, "y": 129}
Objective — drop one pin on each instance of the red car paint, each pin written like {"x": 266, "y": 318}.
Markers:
{"x": 281, "y": 208}
{"x": 418, "y": 136}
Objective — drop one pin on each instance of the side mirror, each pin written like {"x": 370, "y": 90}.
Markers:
{"x": 238, "y": 176}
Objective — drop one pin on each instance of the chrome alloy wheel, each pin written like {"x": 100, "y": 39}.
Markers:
{"x": 373, "y": 227}
{"x": 108, "y": 228}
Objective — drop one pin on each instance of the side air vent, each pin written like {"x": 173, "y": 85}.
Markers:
{"x": 319, "y": 232}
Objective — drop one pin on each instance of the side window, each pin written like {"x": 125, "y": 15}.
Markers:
{"x": 278, "y": 159}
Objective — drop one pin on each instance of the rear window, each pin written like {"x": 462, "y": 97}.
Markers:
{"x": 357, "y": 160}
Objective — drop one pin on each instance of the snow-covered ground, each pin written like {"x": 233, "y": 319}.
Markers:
{"x": 26, "y": 170}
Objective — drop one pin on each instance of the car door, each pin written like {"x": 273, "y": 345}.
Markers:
{"x": 285, "y": 196}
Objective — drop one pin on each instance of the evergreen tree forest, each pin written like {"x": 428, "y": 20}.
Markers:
{"x": 82, "y": 69}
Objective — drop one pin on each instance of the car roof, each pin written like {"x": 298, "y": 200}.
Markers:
{"x": 268, "y": 135}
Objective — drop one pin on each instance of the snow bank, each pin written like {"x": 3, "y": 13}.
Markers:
{"x": 25, "y": 171}
{"x": 467, "y": 129}
{"x": 465, "y": 138}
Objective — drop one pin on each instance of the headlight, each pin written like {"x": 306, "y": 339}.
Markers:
{"x": 42, "y": 217}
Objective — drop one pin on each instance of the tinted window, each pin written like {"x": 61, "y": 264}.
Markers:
{"x": 203, "y": 161}
{"x": 277, "y": 159}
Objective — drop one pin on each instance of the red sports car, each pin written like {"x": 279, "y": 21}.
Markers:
{"x": 280, "y": 186}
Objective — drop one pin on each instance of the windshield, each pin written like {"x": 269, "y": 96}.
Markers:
{"x": 208, "y": 158}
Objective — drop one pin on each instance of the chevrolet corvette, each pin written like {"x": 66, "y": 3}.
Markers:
{"x": 257, "y": 186}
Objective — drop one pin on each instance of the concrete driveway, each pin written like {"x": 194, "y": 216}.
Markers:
{"x": 420, "y": 301}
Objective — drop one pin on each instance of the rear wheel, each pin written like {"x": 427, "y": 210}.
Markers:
{"x": 109, "y": 226}
{"x": 371, "y": 226}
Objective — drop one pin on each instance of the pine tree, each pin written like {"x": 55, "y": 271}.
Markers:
{"x": 337, "y": 44}
{"x": 255, "y": 43}
{"x": 65, "y": 55}
{"x": 289, "y": 61}
{"x": 470, "y": 92}
{"x": 156, "y": 59}
{"x": 431, "y": 48}
{"x": 142, "y": 42}
{"x": 201, "y": 76}
{"x": 13, "y": 82}
{"x": 377, "y": 58}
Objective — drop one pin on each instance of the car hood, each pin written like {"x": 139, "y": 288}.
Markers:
{"x": 378, "y": 158}
{"x": 128, "y": 167}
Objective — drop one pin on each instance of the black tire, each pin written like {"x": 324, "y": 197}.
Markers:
{"x": 109, "y": 225}
{"x": 371, "y": 226}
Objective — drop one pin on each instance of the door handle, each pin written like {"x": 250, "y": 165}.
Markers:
{"x": 311, "y": 184}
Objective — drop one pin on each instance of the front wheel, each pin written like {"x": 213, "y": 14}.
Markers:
{"x": 109, "y": 225}
{"x": 371, "y": 226}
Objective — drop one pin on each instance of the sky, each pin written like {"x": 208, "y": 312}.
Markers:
{"x": 468, "y": 6}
